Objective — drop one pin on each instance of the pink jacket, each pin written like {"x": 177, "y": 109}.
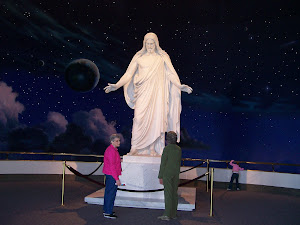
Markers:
{"x": 235, "y": 167}
{"x": 112, "y": 162}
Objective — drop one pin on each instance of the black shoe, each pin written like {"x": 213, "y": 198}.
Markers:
{"x": 110, "y": 216}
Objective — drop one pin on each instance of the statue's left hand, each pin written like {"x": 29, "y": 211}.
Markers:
{"x": 186, "y": 88}
{"x": 110, "y": 87}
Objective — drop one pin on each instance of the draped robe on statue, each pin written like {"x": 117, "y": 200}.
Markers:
{"x": 155, "y": 99}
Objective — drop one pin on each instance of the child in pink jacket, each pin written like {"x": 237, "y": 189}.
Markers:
{"x": 235, "y": 175}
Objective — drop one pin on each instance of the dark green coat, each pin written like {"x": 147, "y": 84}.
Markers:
{"x": 170, "y": 161}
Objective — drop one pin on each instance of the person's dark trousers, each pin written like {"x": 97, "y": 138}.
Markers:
{"x": 234, "y": 176}
{"x": 171, "y": 196}
{"x": 110, "y": 194}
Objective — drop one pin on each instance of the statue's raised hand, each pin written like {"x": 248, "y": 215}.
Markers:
{"x": 110, "y": 87}
{"x": 186, "y": 88}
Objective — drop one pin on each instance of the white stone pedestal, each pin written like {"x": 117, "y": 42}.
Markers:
{"x": 141, "y": 173}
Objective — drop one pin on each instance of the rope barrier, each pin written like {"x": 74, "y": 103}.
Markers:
{"x": 187, "y": 182}
{"x": 193, "y": 167}
{"x": 95, "y": 170}
{"x": 155, "y": 190}
{"x": 84, "y": 176}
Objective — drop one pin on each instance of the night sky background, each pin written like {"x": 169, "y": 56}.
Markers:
{"x": 242, "y": 59}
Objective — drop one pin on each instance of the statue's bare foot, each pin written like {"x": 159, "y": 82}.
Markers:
{"x": 153, "y": 153}
{"x": 132, "y": 152}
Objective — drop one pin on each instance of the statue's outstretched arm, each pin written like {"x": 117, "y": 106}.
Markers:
{"x": 175, "y": 80}
{"x": 124, "y": 79}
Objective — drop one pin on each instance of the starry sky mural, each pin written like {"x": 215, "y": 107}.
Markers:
{"x": 241, "y": 59}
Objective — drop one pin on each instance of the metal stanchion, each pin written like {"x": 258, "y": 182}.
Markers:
{"x": 207, "y": 177}
{"x": 63, "y": 183}
{"x": 211, "y": 191}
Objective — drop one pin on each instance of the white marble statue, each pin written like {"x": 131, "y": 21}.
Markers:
{"x": 153, "y": 89}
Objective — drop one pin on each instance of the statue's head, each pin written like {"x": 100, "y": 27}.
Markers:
{"x": 151, "y": 44}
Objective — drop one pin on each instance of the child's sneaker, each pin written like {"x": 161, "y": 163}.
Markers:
{"x": 114, "y": 213}
{"x": 110, "y": 216}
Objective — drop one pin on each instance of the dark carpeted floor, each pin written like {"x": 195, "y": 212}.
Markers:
{"x": 39, "y": 203}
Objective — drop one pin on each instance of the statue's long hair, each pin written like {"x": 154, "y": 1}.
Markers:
{"x": 158, "y": 49}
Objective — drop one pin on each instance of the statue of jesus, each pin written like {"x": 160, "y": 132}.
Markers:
{"x": 153, "y": 89}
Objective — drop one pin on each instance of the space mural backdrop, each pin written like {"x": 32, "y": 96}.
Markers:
{"x": 241, "y": 59}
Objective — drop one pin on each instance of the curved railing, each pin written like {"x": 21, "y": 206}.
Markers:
{"x": 267, "y": 166}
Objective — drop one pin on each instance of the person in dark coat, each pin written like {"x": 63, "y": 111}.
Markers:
{"x": 169, "y": 175}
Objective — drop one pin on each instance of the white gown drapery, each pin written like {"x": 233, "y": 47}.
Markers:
{"x": 156, "y": 102}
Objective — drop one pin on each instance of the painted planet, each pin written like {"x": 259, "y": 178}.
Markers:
{"x": 41, "y": 63}
{"x": 82, "y": 75}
